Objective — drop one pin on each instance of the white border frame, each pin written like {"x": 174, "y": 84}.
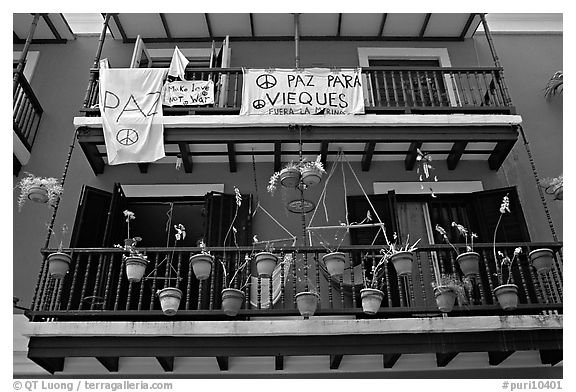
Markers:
{"x": 440, "y": 54}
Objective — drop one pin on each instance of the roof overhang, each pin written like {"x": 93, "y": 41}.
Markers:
{"x": 51, "y": 29}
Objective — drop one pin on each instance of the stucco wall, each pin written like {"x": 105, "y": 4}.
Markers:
{"x": 62, "y": 76}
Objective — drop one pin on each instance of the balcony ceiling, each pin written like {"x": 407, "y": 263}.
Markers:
{"x": 51, "y": 28}
{"x": 260, "y": 26}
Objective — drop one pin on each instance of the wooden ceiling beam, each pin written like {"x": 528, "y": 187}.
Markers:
{"x": 165, "y": 25}
{"x": 167, "y": 363}
{"x": 368, "y": 154}
{"x": 499, "y": 154}
{"x": 339, "y": 25}
{"x": 458, "y": 149}
{"x": 232, "y": 157}
{"x": 389, "y": 360}
{"x": 51, "y": 365}
{"x": 143, "y": 167}
{"x": 495, "y": 358}
{"x": 551, "y": 357}
{"x": 324, "y": 152}
{"x": 381, "y": 31}
{"x": 51, "y": 26}
{"x": 93, "y": 156}
{"x": 335, "y": 361}
{"x": 467, "y": 26}
{"x": 120, "y": 28}
{"x": 251, "y": 24}
{"x": 110, "y": 363}
{"x": 186, "y": 156}
{"x": 279, "y": 362}
{"x": 443, "y": 359}
{"x": 411, "y": 156}
{"x": 208, "y": 25}
{"x": 222, "y": 363}
{"x": 277, "y": 156}
{"x": 425, "y": 25}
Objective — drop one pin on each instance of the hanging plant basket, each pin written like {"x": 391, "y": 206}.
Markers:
{"x": 542, "y": 260}
{"x": 265, "y": 263}
{"x": 307, "y": 301}
{"x": 402, "y": 262}
{"x": 469, "y": 263}
{"x": 58, "y": 264}
{"x": 445, "y": 298}
{"x": 170, "y": 300}
{"x": 371, "y": 300}
{"x": 202, "y": 265}
{"x": 311, "y": 176}
{"x": 38, "y": 194}
{"x": 290, "y": 177}
{"x": 232, "y": 301}
{"x": 135, "y": 268}
{"x": 507, "y": 295}
{"x": 334, "y": 263}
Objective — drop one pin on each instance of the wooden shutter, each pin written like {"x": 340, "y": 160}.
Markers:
{"x": 220, "y": 208}
{"x": 385, "y": 206}
{"x": 91, "y": 218}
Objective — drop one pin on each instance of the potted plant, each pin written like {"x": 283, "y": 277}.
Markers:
{"x": 312, "y": 171}
{"x": 506, "y": 293}
{"x": 542, "y": 260}
{"x": 448, "y": 289}
{"x": 288, "y": 177}
{"x": 307, "y": 302}
{"x": 401, "y": 256}
{"x": 135, "y": 261}
{"x": 266, "y": 260}
{"x": 371, "y": 294}
{"x": 334, "y": 262}
{"x": 39, "y": 189}
{"x": 468, "y": 261}
{"x": 202, "y": 262}
{"x": 59, "y": 262}
{"x": 170, "y": 296}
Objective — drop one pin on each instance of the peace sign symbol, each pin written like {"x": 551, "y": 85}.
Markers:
{"x": 266, "y": 81}
{"x": 258, "y": 104}
{"x": 127, "y": 137}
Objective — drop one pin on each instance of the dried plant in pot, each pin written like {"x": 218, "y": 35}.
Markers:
{"x": 288, "y": 177}
{"x": 266, "y": 260}
{"x": 39, "y": 189}
{"x": 335, "y": 262}
{"x": 401, "y": 256}
{"x": 448, "y": 289}
{"x": 542, "y": 260}
{"x": 202, "y": 262}
{"x": 312, "y": 171}
{"x": 59, "y": 262}
{"x": 307, "y": 302}
{"x": 372, "y": 294}
{"x": 506, "y": 292}
{"x": 136, "y": 262}
{"x": 169, "y": 300}
{"x": 468, "y": 261}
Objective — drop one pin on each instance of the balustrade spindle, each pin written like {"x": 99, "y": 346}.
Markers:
{"x": 108, "y": 279}
{"x": 116, "y": 304}
{"x": 420, "y": 89}
{"x": 129, "y": 297}
{"x": 294, "y": 278}
{"x": 558, "y": 265}
{"x": 374, "y": 93}
{"x": 471, "y": 89}
{"x": 386, "y": 93}
{"x": 247, "y": 288}
{"x": 453, "y": 83}
{"x": 85, "y": 282}
{"x": 480, "y": 283}
{"x": 557, "y": 283}
{"x": 282, "y": 288}
{"x": 189, "y": 285}
{"x": 353, "y": 288}
{"x": 537, "y": 286}
{"x": 489, "y": 274}
{"x": 76, "y": 265}
{"x": 317, "y": 267}
{"x": 154, "y": 278}
{"x": 236, "y": 91}
{"x": 429, "y": 86}
{"x": 410, "y": 289}
{"x": 387, "y": 280}
{"x": 404, "y": 96}
{"x": 438, "y": 92}
{"x": 462, "y": 89}
{"x": 259, "y": 293}
{"x": 141, "y": 295}
{"x": 212, "y": 294}
{"x": 270, "y": 289}
{"x": 341, "y": 282}
{"x": 523, "y": 282}
{"x": 394, "y": 90}
{"x": 421, "y": 278}
{"x": 96, "y": 281}
{"x": 412, "y": 93}
{"x": 401, "y": 290}
{"x": 200, "y": 290}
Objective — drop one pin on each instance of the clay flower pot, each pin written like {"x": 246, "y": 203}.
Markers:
{"x": 507, "y": 295}
{"x": 311, "y": 176}
{"x": 334, "y": 263}
{"x": 38, "y": 193}
{"x": 307, "y": 302}
{"x": 402, "y": 262}
{"x": 290, "y": 177}
{"x": 469, "y": 263}
{"x": 58, "y": 264}
{"x": 170, "y": 300}
{"x": 232, "y": 300}
{"x": 202, "y": 265}
{"x": 135, "y": 268}
{"x": 445, "y": 298}
{"x": 371, "y": 300}
{"x": 542, "y": 260}
{"x": 265, "y": 263}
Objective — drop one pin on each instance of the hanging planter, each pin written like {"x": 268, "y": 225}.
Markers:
{"x": 542, "y": 260}
{"x": 39, "y": 190}
{"x": 232, "y": 301}
{"x": 371, "y": 300}
{"x": 170, "y": 300}
{"x": 311, "y": 176}
{"x": 469, "y": 263}
{"x": 58, "y": 264}
{"x": 202, "y": 265}
{"x": 265, "y": 263}
{"x": 402, "y": 262}
{"x": 290, "y": 177}
{"x": 135, "y": 267}
{"x": 334, "y": 262}
{"x": 307, "y": 301}
{"x": 445, "y": 298}
{"x": 507, "y": 295}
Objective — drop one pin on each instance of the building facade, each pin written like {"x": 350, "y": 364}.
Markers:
{"x": 437, "y": 89}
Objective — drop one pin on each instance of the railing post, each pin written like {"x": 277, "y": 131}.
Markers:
{"x": 506, "y": 97}
{"x": 96, "y": 59}
{"x": 21, "y": 61}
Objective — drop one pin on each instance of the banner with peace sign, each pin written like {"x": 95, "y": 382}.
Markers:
{"x": 302, "y": 91}
{"x": 131, "y": 110}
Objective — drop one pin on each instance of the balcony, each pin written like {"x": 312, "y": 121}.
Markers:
{"x": 469, "y": 108}
{"x": 26, "y": 114}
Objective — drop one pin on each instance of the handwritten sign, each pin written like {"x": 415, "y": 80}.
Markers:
{"x": 188, "y": 93}
{"x": 302, "y": 91}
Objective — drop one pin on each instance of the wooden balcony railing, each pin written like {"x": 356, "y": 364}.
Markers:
{"x": 386, "y": 90}
{"x": 96, "y": 287}
{"x": 27, "y": 112}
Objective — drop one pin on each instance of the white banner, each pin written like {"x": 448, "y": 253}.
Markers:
{"x": 302, "y": 91}
{"x": 131, "y": 110}
{"x": 188, "y": 93}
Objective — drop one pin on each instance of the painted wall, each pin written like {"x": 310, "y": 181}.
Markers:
{"x": 60, "y": 83}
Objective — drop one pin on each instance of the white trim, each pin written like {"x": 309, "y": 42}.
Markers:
{"x": 190, "y": 53}
{"x": 312, "y": 327}
{"x": 440, "y": 54}
{"x": 415, "y": 187}
{"x": 365, "y": 120}
{"x": 170, "y": 190}
{"x": 31, "y": 61}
